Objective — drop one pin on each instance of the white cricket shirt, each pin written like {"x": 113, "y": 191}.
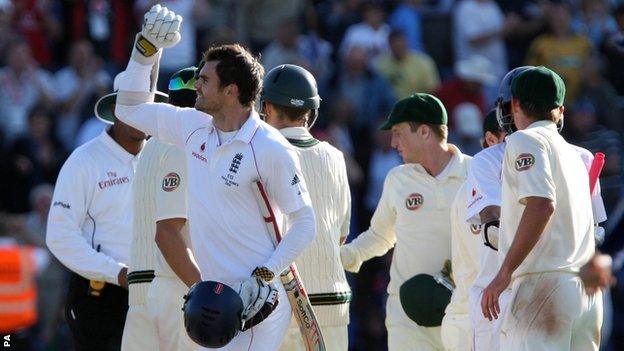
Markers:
{"x": 159, "y": 193}
{"x": 92, "y": 208}
{"x": 319, "y": 265}
{"x": 539, "y": 162}
{"x": 228, "y": 234}
{"x": 465, "y": 246}
{"x": 413, "y": 212}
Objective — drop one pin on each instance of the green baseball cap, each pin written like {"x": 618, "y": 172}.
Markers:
{"x": 420, "y": 108}
{"x": 104, "y": 106}
{"x": 539, "y": 86}
{"x": 424, "y": 300}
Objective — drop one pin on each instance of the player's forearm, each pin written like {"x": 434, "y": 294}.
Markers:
{"x": 301, "y": 232}
{"x": 535, "y": 217}
{"x": 177, "y": 254}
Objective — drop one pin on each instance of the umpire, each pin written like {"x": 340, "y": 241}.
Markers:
{"x": 90, "y": 229}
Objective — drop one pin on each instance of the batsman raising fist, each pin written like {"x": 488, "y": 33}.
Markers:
{"x": 227, "y": 147}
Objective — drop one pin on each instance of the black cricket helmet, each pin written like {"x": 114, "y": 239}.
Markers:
{"x": 182, "y": 91}
{"x": 503, "y": 102}
{"x": 212, "y": 314}
{"x": 291, "y": 86}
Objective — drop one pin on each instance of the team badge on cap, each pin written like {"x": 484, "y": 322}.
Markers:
{"x": 524, "y": 162}
{"x": 171, "y": 182}
{"x": 414, "y": 201}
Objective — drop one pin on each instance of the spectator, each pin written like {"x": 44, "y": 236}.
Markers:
{"x": 406, "y": 18}
{"x": 524, "y": 21}
{"x": 614, "y": 51}
{"x": 335, "y": 16}
{"x": 75, "y": 85}
{"x": 406, "y": 70}
{"x": 318, "y": 52}
{"x": 35, "y": 158}
{"x": 582, "y": 129}
{"x": 468, "y": 120}
{"x": 284, "y": 48}
{"x": 370, "y": 34}
{"x": 479, "y": 30}
{"x": 561, "y": 50}
{"x": 51, "y": 283}
{"x": 22, "y": 84}
{"x": 594, "y": 21}
{"x": 6, "y": 25}
{"x": 466, "y": 86}
{"x": 257, "y": 21}
{"x": 37, "y": 23}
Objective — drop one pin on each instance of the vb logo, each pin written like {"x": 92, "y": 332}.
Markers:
{"x": 414, "y": 201}
{"x": 524, "y": 162}
{"x": 171, "y": 182}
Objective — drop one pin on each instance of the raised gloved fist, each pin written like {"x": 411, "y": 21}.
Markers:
{"x": 161, "y": 29}
{"x": 259, "y": 300}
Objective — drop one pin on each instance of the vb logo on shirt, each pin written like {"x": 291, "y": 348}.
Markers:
{"x": 414, "y": 201}
{"x": 524, "y": 162}
{"x": 171, "y": 182}
{"x": 475, "y": 229}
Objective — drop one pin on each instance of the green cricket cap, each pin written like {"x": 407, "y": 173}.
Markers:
{"x": 420, "y": 108}
{"x": 424, "y": 300}
{"x": 539, "y": 86}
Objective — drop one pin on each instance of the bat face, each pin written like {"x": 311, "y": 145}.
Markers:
{"x": 297, "y": 296}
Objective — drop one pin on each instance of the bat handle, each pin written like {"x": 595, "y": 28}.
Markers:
{"x": 595, "y": 170}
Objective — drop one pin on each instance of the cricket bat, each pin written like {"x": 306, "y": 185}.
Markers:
{"x": 297, "y": 296}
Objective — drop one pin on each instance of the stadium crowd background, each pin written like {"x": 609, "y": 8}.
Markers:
{"x": 58, "y": 57}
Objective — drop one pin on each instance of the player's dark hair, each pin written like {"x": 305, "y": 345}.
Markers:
{"x": 236, "y": 65}
{"x": 539, "y": 113}
{"x": 291, "y": 113}
{"x": 440, "y": 130}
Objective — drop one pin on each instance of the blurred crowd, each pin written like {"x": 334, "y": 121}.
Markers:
{"x": 58, "y": 57}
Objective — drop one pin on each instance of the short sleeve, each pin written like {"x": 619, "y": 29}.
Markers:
{"x": 285, "y": 183}
{"x": 171, "y": 186}
{"x": 483, "y": 185}
{"x": 526, "y": 158}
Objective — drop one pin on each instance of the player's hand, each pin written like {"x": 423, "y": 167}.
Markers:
{"x": 489, "y": 299}
{"x": 122, "y": 278}
{"x": 351, "y": 261}
{"x": 259, "y": 300}
{"x": 597, "y": 274}
{"x": 161, "y": 29}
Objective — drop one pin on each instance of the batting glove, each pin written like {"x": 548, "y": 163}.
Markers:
{"x": 351, "y": 261}
{"x": 260, "y": 298}
{"x": 161, "y": 29}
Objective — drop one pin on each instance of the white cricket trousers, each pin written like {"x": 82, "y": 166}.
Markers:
{"x": 456, "y": 332}
{"x": 486, "y": 333}
{"x": 551, "y": 312}
{"x": 404, "y": 334}
{"x": 165, "y": 298}
{"x": 336, "y": 339}
{"x": 139, "y": 332}
{"x": 268, "y": 335}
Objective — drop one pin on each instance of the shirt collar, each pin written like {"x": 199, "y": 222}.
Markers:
{"x": 119, "y": 152}
{"x": 456, "y": 164}
{"x": 300, "y": 133}
{"x": 543, "y": 123}
{"x": 247, "y": 130}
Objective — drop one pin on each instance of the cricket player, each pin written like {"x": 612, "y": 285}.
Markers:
{"x": 154, "y": 321}
{"x": 290, "y": 102}
{"x": 546, "y": 228}
{"x": 413, "y": 213}
{"x": 483, "y": 206}
{"x": 227, "y": 147}
{"x": 466, "y": 245}
{"x": 90, "y": 229}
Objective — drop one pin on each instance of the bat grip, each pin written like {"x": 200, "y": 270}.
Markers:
{"x": 595, "y": 170}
